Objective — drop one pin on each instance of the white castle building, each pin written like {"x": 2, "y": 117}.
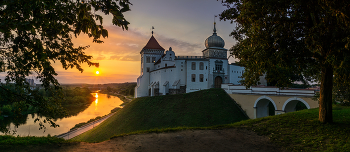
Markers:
{"x": 162, "y": 72}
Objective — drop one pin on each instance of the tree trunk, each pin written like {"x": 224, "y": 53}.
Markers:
{"x": 325, "y": 103}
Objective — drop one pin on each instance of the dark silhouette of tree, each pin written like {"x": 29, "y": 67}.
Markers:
{"x": 293, "y": 37}
{"x": 36, "y": 33}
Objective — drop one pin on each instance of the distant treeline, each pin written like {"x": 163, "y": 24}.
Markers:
{"x": 126, "y": 89}
{"x": 73, "y": 101}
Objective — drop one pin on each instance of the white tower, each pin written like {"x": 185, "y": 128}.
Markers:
{"x": 150, "y": 54}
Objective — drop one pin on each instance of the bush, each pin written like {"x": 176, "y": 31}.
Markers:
{"x": 7, "y": 110}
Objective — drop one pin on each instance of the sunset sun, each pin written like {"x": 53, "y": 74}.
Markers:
{"x": 97, "y": 72}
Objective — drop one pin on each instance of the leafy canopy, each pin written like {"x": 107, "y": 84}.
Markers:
{"x": 285, "y": 38}
{"x": 36, "y": 33}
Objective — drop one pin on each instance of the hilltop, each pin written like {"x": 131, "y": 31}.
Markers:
{"x": 197, "y": 109}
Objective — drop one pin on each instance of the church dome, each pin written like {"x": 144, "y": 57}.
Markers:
{"x": 214, "y": 40}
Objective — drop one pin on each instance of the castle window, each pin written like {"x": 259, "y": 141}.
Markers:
{"x": 170, "y": 58}
{"x": 201, "y": 66}
{"x": 148, "y": 69}
{"x": 193, "y": 65}
{"x": 148, "y": 59}
{"x": 182, "y": 69}
{"x": 182, "y": 63}
{"x": 201, "y": 77}
{"x": 193, "y": 77}
{"x": 153, "y": 59}
{"x": 218, "y": 67}
{"x": 206, "y": 67}
{"x": 166, "y": 65}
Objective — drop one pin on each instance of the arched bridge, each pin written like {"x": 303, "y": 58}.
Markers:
{"x": 260, "y": 102}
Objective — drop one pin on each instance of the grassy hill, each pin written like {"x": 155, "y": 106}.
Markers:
{"x": 302, "y": 131}
{"x": 198, "y": 109}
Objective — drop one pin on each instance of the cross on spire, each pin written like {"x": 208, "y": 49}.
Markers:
{"x": 152, "y": 29}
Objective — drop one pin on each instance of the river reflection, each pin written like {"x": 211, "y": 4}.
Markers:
{"x": 102, "y": 106}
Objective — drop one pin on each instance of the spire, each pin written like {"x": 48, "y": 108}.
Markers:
{"x": 214, "y": 25}
{"x": 214, "y": 28}
{"x": 152, "y": 29}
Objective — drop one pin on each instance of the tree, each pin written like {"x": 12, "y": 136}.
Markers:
{"x": 35, "y": 33}
{"x": 293, "y": 37}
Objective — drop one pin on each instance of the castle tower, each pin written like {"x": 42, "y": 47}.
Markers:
{"x": 150, "y": 54}
{"x": 215, "y": 46}
{"x": 217, "y": 55}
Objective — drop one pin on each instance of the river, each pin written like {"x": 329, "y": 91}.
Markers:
{"x": 100, "y": 107}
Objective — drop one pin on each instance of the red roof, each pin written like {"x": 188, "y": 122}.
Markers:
{"x": 153, "y": 44}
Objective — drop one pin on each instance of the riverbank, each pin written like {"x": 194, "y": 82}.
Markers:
{"x": 100, "y": 107}
{"x": 79, "y": 130}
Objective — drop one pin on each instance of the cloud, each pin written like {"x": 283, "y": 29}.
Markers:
{"x": 126, "y": 45}
{"x": 181, "y": 47}
{"x": 126, "y": 57}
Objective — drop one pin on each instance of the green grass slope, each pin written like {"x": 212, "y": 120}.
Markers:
{"x": 198, "y": 109}
{"x": 301, "y": 130}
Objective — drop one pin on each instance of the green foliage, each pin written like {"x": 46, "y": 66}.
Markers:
{"x": 291, "y": 40}
{"x": 36, "y": 33}
{"x": 76, "y": 100}
{"x": 300, "y": 106}
{"x": 301, "y": 130}
{"x": 7, "y": 140}
{"x": 6, "y": 110}
{"x": 125, "y": 89}
{"x": 84, "y": 123}
{"x": 115, "y": 109}
{"x": 198, "y": 109}
{"x": 285, "y": 38}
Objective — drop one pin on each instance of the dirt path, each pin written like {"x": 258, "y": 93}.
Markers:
{"x": 226, "y": 140}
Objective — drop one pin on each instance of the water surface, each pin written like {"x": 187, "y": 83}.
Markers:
{"x": 100, "y": 107}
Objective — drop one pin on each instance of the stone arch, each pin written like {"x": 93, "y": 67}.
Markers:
{"x": 261, "y": 106}
{"x": 290, "y": 104}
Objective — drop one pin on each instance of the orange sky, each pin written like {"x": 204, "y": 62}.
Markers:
{"x": 182, "y": 25}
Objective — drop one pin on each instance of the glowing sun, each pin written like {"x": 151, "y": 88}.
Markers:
{"x": 97, "y": 72}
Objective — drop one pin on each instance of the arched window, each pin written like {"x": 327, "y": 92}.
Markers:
{"x": 193, "y": 77}
{"x": 201, "y": 77}
{"x": 201, "y": 66}
{"x": 193, "y": 66}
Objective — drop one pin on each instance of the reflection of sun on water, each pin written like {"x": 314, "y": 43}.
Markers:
{"x": 96, "y": 101}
